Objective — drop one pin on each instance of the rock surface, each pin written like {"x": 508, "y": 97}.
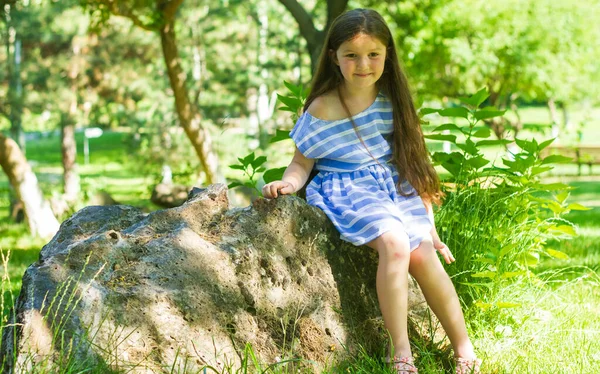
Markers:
{"x": 181, "y": 288}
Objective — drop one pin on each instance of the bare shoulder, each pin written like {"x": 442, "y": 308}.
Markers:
{"x": 326, "y": 107}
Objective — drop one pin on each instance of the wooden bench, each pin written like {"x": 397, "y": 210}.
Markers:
{"x": 581, "y": 155}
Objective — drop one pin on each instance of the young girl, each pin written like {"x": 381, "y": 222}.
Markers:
{"x": 361, "y": 132}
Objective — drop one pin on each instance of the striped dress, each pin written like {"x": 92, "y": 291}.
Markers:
{"x": 357, "y": 194}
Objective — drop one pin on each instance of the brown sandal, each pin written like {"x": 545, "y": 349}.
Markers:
{"x": 404, "y": 365}
{"x": 466, "y": 366}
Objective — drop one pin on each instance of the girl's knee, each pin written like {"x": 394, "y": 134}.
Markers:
{"x": 424, "y": 253}
{"x": 392, "y": 246}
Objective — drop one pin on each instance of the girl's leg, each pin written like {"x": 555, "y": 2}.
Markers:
{"x": 427, "y": 269}
{"x": 392, "y": 286}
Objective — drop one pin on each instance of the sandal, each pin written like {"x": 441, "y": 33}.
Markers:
{"x": 466, "y": 366}
{"x": 404, "y": 365}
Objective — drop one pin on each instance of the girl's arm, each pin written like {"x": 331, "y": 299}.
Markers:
{"x": 437, "y": 242}
{"x": 293, "y": 179}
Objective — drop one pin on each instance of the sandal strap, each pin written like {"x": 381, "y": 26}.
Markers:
{"x": 404, "y": 365}
{"x": 467, "y": 366}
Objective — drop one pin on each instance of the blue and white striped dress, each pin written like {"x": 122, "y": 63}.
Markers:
{"x": 357, "y": 194}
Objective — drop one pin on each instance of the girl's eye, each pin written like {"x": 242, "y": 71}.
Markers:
{"x": 350, "y": 55}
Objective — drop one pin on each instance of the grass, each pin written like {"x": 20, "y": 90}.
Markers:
{"x": 555, "y": 330}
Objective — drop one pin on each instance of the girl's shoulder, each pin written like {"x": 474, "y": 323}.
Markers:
{"x": 327, "y": 107}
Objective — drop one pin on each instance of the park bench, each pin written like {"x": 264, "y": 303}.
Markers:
{"x": 588, "y": 155}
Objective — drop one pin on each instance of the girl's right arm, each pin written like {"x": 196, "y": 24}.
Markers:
{"x": 293, "y": 179}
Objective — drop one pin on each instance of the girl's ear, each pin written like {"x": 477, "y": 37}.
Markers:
{"x": 333, "y": 57}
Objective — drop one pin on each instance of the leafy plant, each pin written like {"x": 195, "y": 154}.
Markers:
{"x": 497, "y": 219}
{"x": 251, "y": 165}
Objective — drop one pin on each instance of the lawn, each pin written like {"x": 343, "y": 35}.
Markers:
{"x": 555, "y": 330}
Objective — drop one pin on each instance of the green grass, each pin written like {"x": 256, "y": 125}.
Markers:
{"x": 555, "y": 330}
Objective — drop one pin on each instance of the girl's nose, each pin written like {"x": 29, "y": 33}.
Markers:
{"x": 363, "y": 61}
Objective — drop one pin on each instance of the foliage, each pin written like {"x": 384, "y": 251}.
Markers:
{"x": 498, "y": 219}
{"x": 531, "y": 49}
{"x": 250, "y": 164}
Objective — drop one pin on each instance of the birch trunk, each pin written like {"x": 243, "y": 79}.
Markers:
{"x": 39, "y": 216}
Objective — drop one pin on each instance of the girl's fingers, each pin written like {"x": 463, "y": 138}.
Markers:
{"x": 286, "y": 189}
{"x": 274, "y": 189}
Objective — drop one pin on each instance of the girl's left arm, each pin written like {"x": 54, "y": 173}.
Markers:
{"x": 437, "y": 243}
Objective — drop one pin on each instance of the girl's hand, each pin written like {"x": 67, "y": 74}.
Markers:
{"x": 444, "y": 250}
{"x": 274, "y": 189}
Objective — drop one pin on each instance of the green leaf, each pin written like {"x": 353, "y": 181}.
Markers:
{"x": 258, "y": 161}
{"x": 565, "y": 229}
{"x": 234, "y": 185}
{"x": 531, "y": 258}
{"x": 478, "y": 162}
{"x": 476, "y": 99}
{"x": 512, "y": 274}
{"x": 540, "y": 169}
{"x": 444, "y": 137}
{"x": 546, "y": 143}
{"x": 557, "y": 254}
{"x": 483, "y": 306}
{"x": 426, "y": 111}
{"x": 446, "y": 126}
{"x": 291, "y": 102}
{"x": 526, "y": 145}
{"x": 482, "y": 143}
{"x": 485, "y": 274}
{"x": 469, "y": 147}
{"x": 248, "y": 159}
{"x": 561, "y": 197}
{"x": 296, "y": 90}
{"x": 261, "y": 169}
{"x": 237, "y": 167}
{"x": 556, "y": 207}
{"x": 506, "y": 249}
{"x": 557, "y": 159}
{"x": 485, "y": 114}
{"x": 483, "y": 132}
{"x": 504, "y": 305}
{"x": 455, "y": 112}
{"x": 279, "y": 136}
{"x": 274, "y": 174}
{"x": 552, "y": 186}
{"x": 576, "y": 206}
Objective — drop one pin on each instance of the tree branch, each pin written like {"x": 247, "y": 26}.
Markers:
{"x": 169, "y": 8}
{"x": 334, "y": 9}
{"x": 114, "y": 8}
{"x": 307, "y": 27}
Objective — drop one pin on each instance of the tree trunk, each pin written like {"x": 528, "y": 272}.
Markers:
{"x": 71, "y": 183}
{"x": 187, "y": 113}
{"x": 314, "y": 38}
{"x": 38, "y": 214}
{"x": 69, "y": 153}
{"x": 15, "y": 86}
{"x": 555, "y": 120}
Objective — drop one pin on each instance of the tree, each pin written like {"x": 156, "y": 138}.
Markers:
{"x": 518, "y": 49}
{"x": 39, "y": 216}
{"x": 313, "y": 36}
{"x": 160, "y": 17}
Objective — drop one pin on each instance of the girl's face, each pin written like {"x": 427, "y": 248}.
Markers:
{"x": 361, "y": 60}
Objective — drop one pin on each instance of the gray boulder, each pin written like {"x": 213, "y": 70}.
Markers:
{"x": 191, "y": 286}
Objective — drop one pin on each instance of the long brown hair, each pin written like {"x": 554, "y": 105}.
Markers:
{"x": 410, "y": 155}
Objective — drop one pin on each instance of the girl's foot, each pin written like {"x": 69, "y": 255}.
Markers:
{"x": 467, "y": 366}
{"x": 404, "y": 365}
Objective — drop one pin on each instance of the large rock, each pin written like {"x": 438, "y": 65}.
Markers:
{"x": 189, "y": 286}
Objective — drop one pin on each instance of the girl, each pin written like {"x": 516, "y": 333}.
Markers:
{"x": 361, "y": 132}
